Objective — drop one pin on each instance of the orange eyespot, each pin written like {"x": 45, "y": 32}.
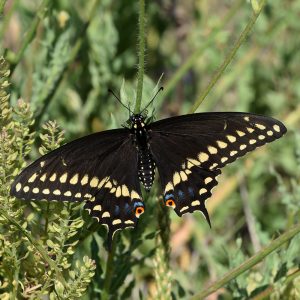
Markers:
{"x": 171, "y": 203}
{"x": 139, "y": 210}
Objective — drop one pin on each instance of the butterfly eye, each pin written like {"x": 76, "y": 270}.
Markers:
{"x": 139, "y": 210}
{"x": 171, "y": 203}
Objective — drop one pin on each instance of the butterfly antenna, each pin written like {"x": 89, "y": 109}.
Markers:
{"x": 127, "y": 107}
{"x": 160, "y": 89}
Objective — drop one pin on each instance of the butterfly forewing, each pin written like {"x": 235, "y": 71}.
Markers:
{"x": 100, "y": 168}
{"x": 196, "y": 146}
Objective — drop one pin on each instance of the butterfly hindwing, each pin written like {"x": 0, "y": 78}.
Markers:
{"x": 118, "y": 203}
{"x": 190, "y": 150}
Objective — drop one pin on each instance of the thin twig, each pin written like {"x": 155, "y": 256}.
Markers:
{"x": 189, "y": 63}
{"x": 229, "y": 57}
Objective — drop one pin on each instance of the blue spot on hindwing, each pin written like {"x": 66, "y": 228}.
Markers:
{"x": 127, "y": 208}
{"x": 181, "y": 195}
{"x": 117, "y": 209}
{"x": 138, "y": 203}
{"x": 169, "y": 196}
{"x": 191, "y": 192}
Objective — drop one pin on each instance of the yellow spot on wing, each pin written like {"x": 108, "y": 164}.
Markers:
{"x": 125, "y": 191}
{"x": 97, "y": 207}
{"x": 203, "y": 157}
{"x": 246, "y": 119}
{"x": 261, "y": 137}
{"x": 187, "y": 172}
{"x": 74, "y": 179}
{"x": 207, "y": 180}
{"x": 212, "y": 150}
{"x": 184, "y": 208}
{"x": 68, "y": 194}
{"x": 43, "y": 178}
{"x": 63, "y": 178}
{"x": 116, "y": 222}
{"x": 260, "y": 126}
{"x": 223, "y": 159}
{"x": 53, "y": 177}
{"x": 243, "y": 146}
{"x": 176, "y": 178}
{"x": 195, "y": 203}
{"x": 102, "y": 182}
{"x": 269, "y": 133}
{"x": 169, "y": 187}
{"x": 18, "y": 186}
{"x": 192, "y": 162}
{"x": 240, "y": 133}
{"x": 26, "y": 188}
{"x": 78, "y": 195}
{"x": 222, "y": 144}
{"x": 183, "y": 176}
{"x": 213, "y": 166}
{"x": 46, "y": 191}
{"x": 106, "y": 214}
{"x": 202, "y": 191}
{"x": 129, "y": 222}
{"x": 252, "y": 141}
{"x": 35, "y": 190}
{"x": 250, "y": 130}
{"x": 233, "y": 153}
{"x": 108, "y": 185}
{"x": 118, "y": 192}
{"x": 94, "y": 182}
{"x": 276, "y": 128}
{"x": 85, "y": 179}
{"x": 56, "y": 192}
{"x": 231, "y": 138}
{"x": 32, "y": 178}
{"x": 134, "y": 195}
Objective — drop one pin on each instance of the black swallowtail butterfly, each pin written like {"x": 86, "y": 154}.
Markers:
{"x": 105, "y": 169}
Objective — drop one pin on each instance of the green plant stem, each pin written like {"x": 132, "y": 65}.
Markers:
{"x": 141, "y": 50}
{"x": 229, "y": 57}
{"x": 252, "y": 261}
{"x": 37, "y": 246}
{"x": 109, "y": 271}
{"x": 195, "y": 55}
{"x": 29, "y": 36}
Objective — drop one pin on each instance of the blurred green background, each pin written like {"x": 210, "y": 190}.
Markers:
{"x": 66, "y": 54}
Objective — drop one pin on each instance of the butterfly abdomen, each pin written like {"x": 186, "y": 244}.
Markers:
{"x": 146, "y": 168}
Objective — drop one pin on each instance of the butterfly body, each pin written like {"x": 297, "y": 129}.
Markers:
{"x": 146, "y": 164}
{"x": 105, "y": 169}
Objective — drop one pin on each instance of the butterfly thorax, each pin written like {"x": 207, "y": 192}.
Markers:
{"x": 146, "y": 165}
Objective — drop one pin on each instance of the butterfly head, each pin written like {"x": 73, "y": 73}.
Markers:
{"x": 137, "y": 121}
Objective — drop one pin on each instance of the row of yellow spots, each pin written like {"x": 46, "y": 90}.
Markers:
{"x": 203, "y": 157}
{"x": 106, "y": 214}
{"x": 55, "y": 192}
{"x": 94, "y": 182}
{"x": 170, "y": 186}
